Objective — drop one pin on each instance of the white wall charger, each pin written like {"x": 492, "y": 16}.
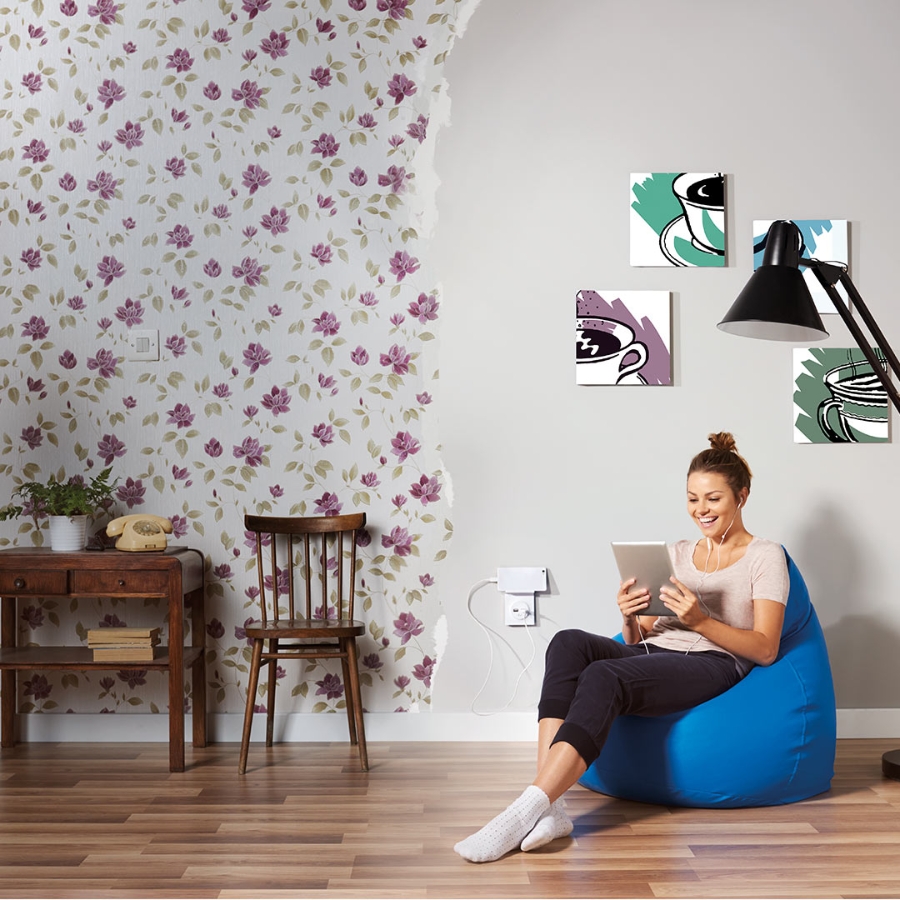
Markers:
{"x": 522, "y": 579}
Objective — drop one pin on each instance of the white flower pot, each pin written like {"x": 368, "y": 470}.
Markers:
{"x": 67, "y": 533}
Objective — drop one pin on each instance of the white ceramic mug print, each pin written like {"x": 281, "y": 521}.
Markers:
{"x": 702, "y": 197}
{"x": 861, "y": 403}
{"x": 606, "y": 351}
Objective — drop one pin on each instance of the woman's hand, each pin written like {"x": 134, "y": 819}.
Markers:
{"x": 683, "y": 602}
{"x": 632, "y": 602}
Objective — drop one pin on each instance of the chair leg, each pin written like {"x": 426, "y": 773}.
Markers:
{"x": 357, "y": 704}
{"x": 252, "y": 684}
{"x": 348, "y": 685}
{"x": 270, "y": 698}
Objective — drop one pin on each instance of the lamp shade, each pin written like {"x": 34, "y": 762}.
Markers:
{"x": 775, "y": 304}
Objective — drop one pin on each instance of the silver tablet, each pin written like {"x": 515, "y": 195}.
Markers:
{"x": 649, "y": 562}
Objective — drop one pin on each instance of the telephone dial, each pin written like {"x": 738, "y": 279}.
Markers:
{"x": 140, "y": 532}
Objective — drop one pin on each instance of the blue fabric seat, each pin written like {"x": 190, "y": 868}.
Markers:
{"x": 768, "y": 740}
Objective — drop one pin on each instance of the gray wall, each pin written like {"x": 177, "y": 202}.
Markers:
{"x": 553, "y": 105}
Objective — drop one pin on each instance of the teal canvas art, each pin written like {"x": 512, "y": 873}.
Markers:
{"x": 678, "y": 219}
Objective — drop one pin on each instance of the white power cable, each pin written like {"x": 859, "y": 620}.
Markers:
{"x": 475, "y": 587}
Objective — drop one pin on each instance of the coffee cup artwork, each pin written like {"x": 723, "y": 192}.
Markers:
{"x": 678, "y": 219}
{"x": 606, "y": 351}
{"x": 623, "y": 337}
{"x": 860, "y": 403}
{"x": 838, "y": 398}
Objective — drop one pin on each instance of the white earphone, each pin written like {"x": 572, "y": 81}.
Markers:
{"x": 706, "y": 571}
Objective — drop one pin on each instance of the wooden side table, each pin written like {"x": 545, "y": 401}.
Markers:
{"x": 175, "y": 574}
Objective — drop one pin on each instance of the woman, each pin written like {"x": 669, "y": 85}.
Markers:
{"x": 728, "y": 596}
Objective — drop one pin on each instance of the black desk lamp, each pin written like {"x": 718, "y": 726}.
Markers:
{"x": 776, "y": 305}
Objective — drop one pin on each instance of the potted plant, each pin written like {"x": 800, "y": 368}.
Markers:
{"x": 66, "y": 503}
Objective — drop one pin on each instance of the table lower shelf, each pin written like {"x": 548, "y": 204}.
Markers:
{"x": 82, "y": 659}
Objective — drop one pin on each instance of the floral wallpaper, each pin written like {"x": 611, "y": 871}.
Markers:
{"x": 241, "y": 177}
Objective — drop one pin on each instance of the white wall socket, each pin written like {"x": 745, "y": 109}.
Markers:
{"x": 520, "y": 609}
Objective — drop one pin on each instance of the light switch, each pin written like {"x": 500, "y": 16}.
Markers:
{"x": 143, "y": 344}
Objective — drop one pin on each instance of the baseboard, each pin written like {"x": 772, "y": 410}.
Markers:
{"x": 868, "y": 723}
{"x": 48, "y": 727}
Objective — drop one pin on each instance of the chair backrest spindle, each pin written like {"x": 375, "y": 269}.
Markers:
{"x": 290, "y": 569}
{"x": 339, "y": 557}
{"x": 274, "y": 570}
{"x": 307, "y": 581}
{"x": 351, "y": 588}
{"x": 323, "y": 575}
{"x": 262, "y": 578}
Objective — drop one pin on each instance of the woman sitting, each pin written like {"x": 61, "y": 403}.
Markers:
{"x": 728, "y": 597}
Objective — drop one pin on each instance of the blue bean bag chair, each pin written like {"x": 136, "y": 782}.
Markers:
{"x": 768, "y": 740}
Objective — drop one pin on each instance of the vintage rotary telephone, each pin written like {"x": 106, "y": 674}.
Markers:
{"x": 140, "y": 532}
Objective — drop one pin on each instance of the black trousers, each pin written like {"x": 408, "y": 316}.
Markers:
{"x": 590, "y": 679}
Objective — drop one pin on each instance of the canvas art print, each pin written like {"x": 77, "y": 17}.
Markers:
{"x": 623, "y": 337}
{"x": 838, "y": 399}
{"x": 677, "y": 219}
{"x": 823, "y": 239}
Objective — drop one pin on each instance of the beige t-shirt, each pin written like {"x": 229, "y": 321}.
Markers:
{"x": 727, "y": 595}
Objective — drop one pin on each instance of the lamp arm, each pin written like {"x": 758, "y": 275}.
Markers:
{"x": 871, "y": 324}
{"x": 864, "y": 344}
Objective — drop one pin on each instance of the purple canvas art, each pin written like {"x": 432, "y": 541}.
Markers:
{"x": 623, "y": 337}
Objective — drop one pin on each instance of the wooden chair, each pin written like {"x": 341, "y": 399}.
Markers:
{"x": 312, "y": 548}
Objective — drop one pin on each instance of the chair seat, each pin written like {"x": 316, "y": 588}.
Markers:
{"x": 305, "y": 628}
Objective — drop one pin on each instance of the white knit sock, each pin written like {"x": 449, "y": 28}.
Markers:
{"x": 506, "y": 831}
{"x": 553, "y": 824}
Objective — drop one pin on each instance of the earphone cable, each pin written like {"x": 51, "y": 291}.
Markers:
{"x": 706, "y": 573}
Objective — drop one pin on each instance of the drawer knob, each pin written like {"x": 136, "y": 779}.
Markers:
{"x": 19, "y": 583}
{"x": 121, "y": 582}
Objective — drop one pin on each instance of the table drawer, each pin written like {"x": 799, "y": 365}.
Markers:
{"x": 31, "y": 582}
{"x": 109, "y": 582}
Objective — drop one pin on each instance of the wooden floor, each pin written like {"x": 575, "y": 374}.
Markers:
{"x": 110, "y": 820}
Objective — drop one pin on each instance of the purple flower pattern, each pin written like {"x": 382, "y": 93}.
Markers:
{"x": 249, "y": 93}
{"x": 255, "y": 356}
{"x": 110, "y": 448}
{"x": 426, "y": 489}
{"x": 278, "y": 401}
{"x": 407, "y": 626}
{"x": 331, "y": 687}
{"x": 104, "y": 363}
{"x": 140, "y": 267}
{"x": 131, "y": 313}
{"x": 397, "y": 359}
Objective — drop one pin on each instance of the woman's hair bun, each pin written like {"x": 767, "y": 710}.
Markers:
{"x": 723, "y": 440}
{"x": 721, "y": 457}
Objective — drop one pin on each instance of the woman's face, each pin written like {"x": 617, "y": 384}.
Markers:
{"x": 713, "y": 505}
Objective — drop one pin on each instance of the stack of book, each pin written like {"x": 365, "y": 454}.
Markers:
{"x": 123, "y": 644}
